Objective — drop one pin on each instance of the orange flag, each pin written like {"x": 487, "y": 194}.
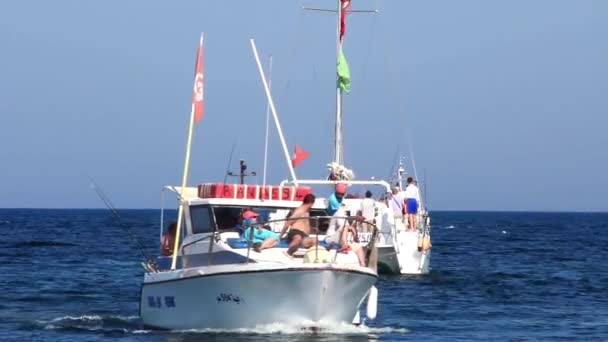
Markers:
{"x": 197, "y": 97}
{"x": 299, "y": 156}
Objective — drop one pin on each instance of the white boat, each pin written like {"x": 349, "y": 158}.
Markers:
{"x": 220, "y": 282}
{"x": 401, "y": 251}
{"x": 215, "y": 279}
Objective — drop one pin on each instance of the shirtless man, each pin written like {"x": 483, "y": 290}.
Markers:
{"x": 299, "y": 226}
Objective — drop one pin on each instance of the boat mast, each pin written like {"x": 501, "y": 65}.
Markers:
{"x": 400, "y": 173}
{"x": 338, "y": 148}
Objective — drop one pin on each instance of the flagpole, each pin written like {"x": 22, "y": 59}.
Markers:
{"x": 184, "y": 181}
{"x": 267, "y": 121}
{"x": 274, "y": 111}
{"x": 338, "y": 128}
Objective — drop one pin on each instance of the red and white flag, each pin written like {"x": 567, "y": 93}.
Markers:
{"x": 299, "y": 156}
{"x": 345, "y": 8}
{"x": 197, "y": 97}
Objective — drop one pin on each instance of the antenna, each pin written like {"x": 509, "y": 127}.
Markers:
{"x": 242, "y": 174}
{"x": 229, "y": 161}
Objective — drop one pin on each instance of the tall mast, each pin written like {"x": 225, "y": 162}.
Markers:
{"x": 400, "y": 173}
{"x": 338, "y": 152}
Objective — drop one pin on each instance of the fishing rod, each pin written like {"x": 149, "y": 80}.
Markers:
{"x": 229, "y": 161}
{"x": 148, "y": 264}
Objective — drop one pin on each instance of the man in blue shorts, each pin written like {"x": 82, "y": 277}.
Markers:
{"x": 412, "y": 201}
{"x": 262, "y": 238}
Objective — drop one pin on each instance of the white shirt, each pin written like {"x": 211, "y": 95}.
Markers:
{"x": 336, "y": 223}
{"x": 396, "y": 203}
{"x": 411, "y": 191}
{"x": 367, "y": 208}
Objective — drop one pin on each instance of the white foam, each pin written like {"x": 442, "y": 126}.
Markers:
{"x": 96, "y": 323}
{"x": 304, "y": 328}
{"x": 91, "y": 318}
{"x": 141, "y": 331}
{"x": 84, "y": 318}
{"x": 449, "y": 227}
{"x": 90, "y": 322}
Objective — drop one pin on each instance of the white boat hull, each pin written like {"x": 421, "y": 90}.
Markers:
{"x": 248, "y": 298}
{"x": 403, "y": 258}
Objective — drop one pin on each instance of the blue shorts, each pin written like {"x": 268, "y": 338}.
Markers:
{"x": 260, "y": 237}
{"x": 412, "y": 206}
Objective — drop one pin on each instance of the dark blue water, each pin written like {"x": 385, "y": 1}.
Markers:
{"x": 73, "y": 275}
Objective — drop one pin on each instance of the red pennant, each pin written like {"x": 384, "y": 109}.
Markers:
{"x": 197, "y": 97}
{"x": 299, "y": 156}
{"x": 345, "y": 8}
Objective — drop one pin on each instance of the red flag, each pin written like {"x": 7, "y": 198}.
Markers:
{"x": 197, "y": 97}
{"x": 345, "y": 7}
{"x": 299, "y": 156}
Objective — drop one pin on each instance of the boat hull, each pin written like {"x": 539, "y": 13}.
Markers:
{"x": 246, "y": 299}
{"x": 403, "y": 258}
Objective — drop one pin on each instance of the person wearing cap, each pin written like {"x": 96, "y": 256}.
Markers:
{"x": 412, "y": 200}
{"x": 262, "y": 238}
{"x": 335, "y": 199}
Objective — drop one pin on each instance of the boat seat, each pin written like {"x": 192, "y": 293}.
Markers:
{"x": 237, "y": 243}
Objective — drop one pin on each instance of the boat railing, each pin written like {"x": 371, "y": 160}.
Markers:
{"x": 317, "y": 234}
{"x": 381, "y": 183}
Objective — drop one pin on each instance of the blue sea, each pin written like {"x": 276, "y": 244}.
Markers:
{"x": 74, "y": 275}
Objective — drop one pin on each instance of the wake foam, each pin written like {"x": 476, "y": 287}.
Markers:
{"x": 123, "y": 324}
{"x": 318, "y": 328}
{"x": 132, "y": 325}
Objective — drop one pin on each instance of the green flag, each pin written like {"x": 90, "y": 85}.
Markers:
{"x": 343, "y": 73}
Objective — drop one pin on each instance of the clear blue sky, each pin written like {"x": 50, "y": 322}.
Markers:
{"x": 504, "y": 102}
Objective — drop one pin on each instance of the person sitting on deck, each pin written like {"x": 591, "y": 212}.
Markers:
{"x": 168, "y": 239}
{"x": 337, "y": 233}
{"x": 299, "y": 226}
{"x": 262, "y": 238}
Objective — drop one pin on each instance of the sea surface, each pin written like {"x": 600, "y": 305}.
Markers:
{"x": 74, "y": 275}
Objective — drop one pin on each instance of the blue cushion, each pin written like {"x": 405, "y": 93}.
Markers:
{"x": 242, "y": 243}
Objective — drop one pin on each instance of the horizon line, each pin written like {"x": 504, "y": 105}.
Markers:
{"x": 546, "y": 211}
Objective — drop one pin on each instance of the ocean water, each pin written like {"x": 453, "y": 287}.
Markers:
{"x": 74, "y": 275}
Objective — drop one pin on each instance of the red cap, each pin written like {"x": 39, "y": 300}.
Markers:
{"x": 341, "y": 188}
{"x": 250, "y": 214}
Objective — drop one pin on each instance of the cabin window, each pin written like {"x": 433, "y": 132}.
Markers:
{"x": 227, "y": 217}
{"x": 201, "y": 219}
